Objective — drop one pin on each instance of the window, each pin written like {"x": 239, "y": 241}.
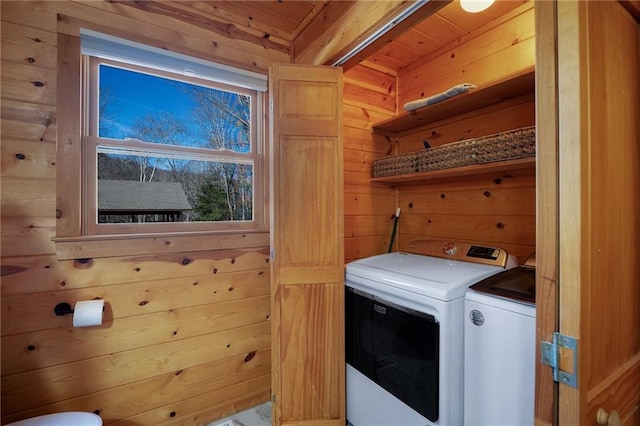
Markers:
{"x": 168, "y": 148}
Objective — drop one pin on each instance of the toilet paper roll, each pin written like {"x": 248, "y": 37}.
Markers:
{"x": 88, "y": 313}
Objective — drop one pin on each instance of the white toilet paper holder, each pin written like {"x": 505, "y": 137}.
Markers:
{"x": 64, "y": 308}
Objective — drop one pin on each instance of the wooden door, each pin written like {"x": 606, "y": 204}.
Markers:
{"x": 308, "y": 368}
{"x": 598, "y": 207}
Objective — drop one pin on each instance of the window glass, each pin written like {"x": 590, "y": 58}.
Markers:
{"x": 166, "y": 149}
{"x": 158, "y": 109}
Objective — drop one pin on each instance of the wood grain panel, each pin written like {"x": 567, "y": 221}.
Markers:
{"x": 23, "y": 236}
{"x": 114, "y": 246}
{"x": 362, "y": 117}
{"x": 610, "y": 269}
{"x": 511, "y": 45}
{"x": 28, "y": 197}
{"x": 29, "y": 14}
{"x": 360, "y": 247}
{"x": 507, "y": 115}
{"x": 359, "y": 226}
{"x": 22, "y": 130}
{"x": 306, "y": 366}
{"x": 21, "y": 275}
{"x": 248, "y": 393}
{"x": 63, "y": 344}
{"x": 311, "y": 195}
{"x": 366, "y": 98}
{"x": 239, "y": 396}
{"x": 21, "y": 314}
{"x": 137, "y": 398}
{"x": 368, "y": 207}
{"x": 371, "y": 79}
{"x": 494, "y": 228}
{"x": 547, "y": 236}
{"x": 358, "y": 161}
{"x": 28, "y": 121}
{"x": 163, "y": 347}
{"x": 27, "y": 159}
{"x": 362, "y": 139}
{"x": 491, "y": 199}
{"x": 168, "y": 33}
{"x": 21, "y": 82}
{"x": 65, "y": 381}
{"x": 28, "y": 45}
{"x": 338, "y": 25}
{"x": 308, "y": 245}
{"x": 369, "y": 203}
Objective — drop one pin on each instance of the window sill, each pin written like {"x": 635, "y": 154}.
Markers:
{"x": 97, "y": 246}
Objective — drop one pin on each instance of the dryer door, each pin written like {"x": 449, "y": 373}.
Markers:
{"x": 395, "y": 347}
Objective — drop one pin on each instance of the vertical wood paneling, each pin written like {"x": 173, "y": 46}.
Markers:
{"x": 307, "y": 273}
{"x": 186, "y": 335}
{"x": 547, "y": 236}
{"x": 599, "y": 208}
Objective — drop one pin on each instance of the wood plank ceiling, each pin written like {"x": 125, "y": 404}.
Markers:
{"x": 276, "y": 24}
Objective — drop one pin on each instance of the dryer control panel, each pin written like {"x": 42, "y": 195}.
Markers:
{"x": 462, "y": 251}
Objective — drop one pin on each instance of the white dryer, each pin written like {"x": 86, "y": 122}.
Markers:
{"x": 499, "y": 350}
{"x": 404, "y": 332}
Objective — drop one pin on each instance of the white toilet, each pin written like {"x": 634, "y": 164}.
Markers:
{"x": 75, "y": 418}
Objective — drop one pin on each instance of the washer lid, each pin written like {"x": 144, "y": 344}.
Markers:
{"x": 434, "y": 277}
{"x": 516, "y": 284}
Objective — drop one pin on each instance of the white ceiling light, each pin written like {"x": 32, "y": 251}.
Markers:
{"x": 475, "y": 6}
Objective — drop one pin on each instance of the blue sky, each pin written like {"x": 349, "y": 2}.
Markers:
{"x": 136, "y": 95}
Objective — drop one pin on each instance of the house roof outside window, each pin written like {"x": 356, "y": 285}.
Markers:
{"x": 122, "y": 195}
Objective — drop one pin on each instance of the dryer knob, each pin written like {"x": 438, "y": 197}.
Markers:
{"x": 449, "y": 248}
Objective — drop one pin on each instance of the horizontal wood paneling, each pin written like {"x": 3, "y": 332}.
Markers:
{"x": 46, "y": 348}
{"x": 35, "y": 274}
{"x": 507, "y": 115}
{"x": 369, "y": 97}
{"x": 23, "y": 236}
{"x": 65, "y": 381}
{"x": 495, "y": 209}
{"x": 28, "y": 121}
{"x": 21, "y": 82}
{"x": 186, "y": 332}
{"x": 27, "y": 159}
{"x": 239, "y": 396}
{"x": 28, "y": 197}
{"x": 361, "y": 247}
{"x": 28, "y": 45}
{"x": 161, "y": 390}
{"x": 23, "y": 315}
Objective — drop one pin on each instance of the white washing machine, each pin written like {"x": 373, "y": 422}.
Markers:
{"x": 499, "y": 350}
{"x": 404, "y": 332}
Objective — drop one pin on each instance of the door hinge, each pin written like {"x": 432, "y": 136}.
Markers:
{"x": 272, "y": 253}
{"x": 560, "y": 349}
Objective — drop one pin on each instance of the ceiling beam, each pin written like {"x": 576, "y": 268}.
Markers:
{"x": 343, "y": 25}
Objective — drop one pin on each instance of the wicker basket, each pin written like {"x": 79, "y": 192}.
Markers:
{"x": 513, "y": 144}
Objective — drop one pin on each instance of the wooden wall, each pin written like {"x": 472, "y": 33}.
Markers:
{"x": 496, "y": 209}
{"x": 186, "y": 335}
{"x": 369, "y": 97}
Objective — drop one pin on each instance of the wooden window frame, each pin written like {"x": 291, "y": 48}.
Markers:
{"x": 72, "y": 239}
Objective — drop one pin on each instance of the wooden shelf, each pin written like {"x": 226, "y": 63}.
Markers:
{"x": 499, "y": 166}
{"x": 499, "y": 90}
